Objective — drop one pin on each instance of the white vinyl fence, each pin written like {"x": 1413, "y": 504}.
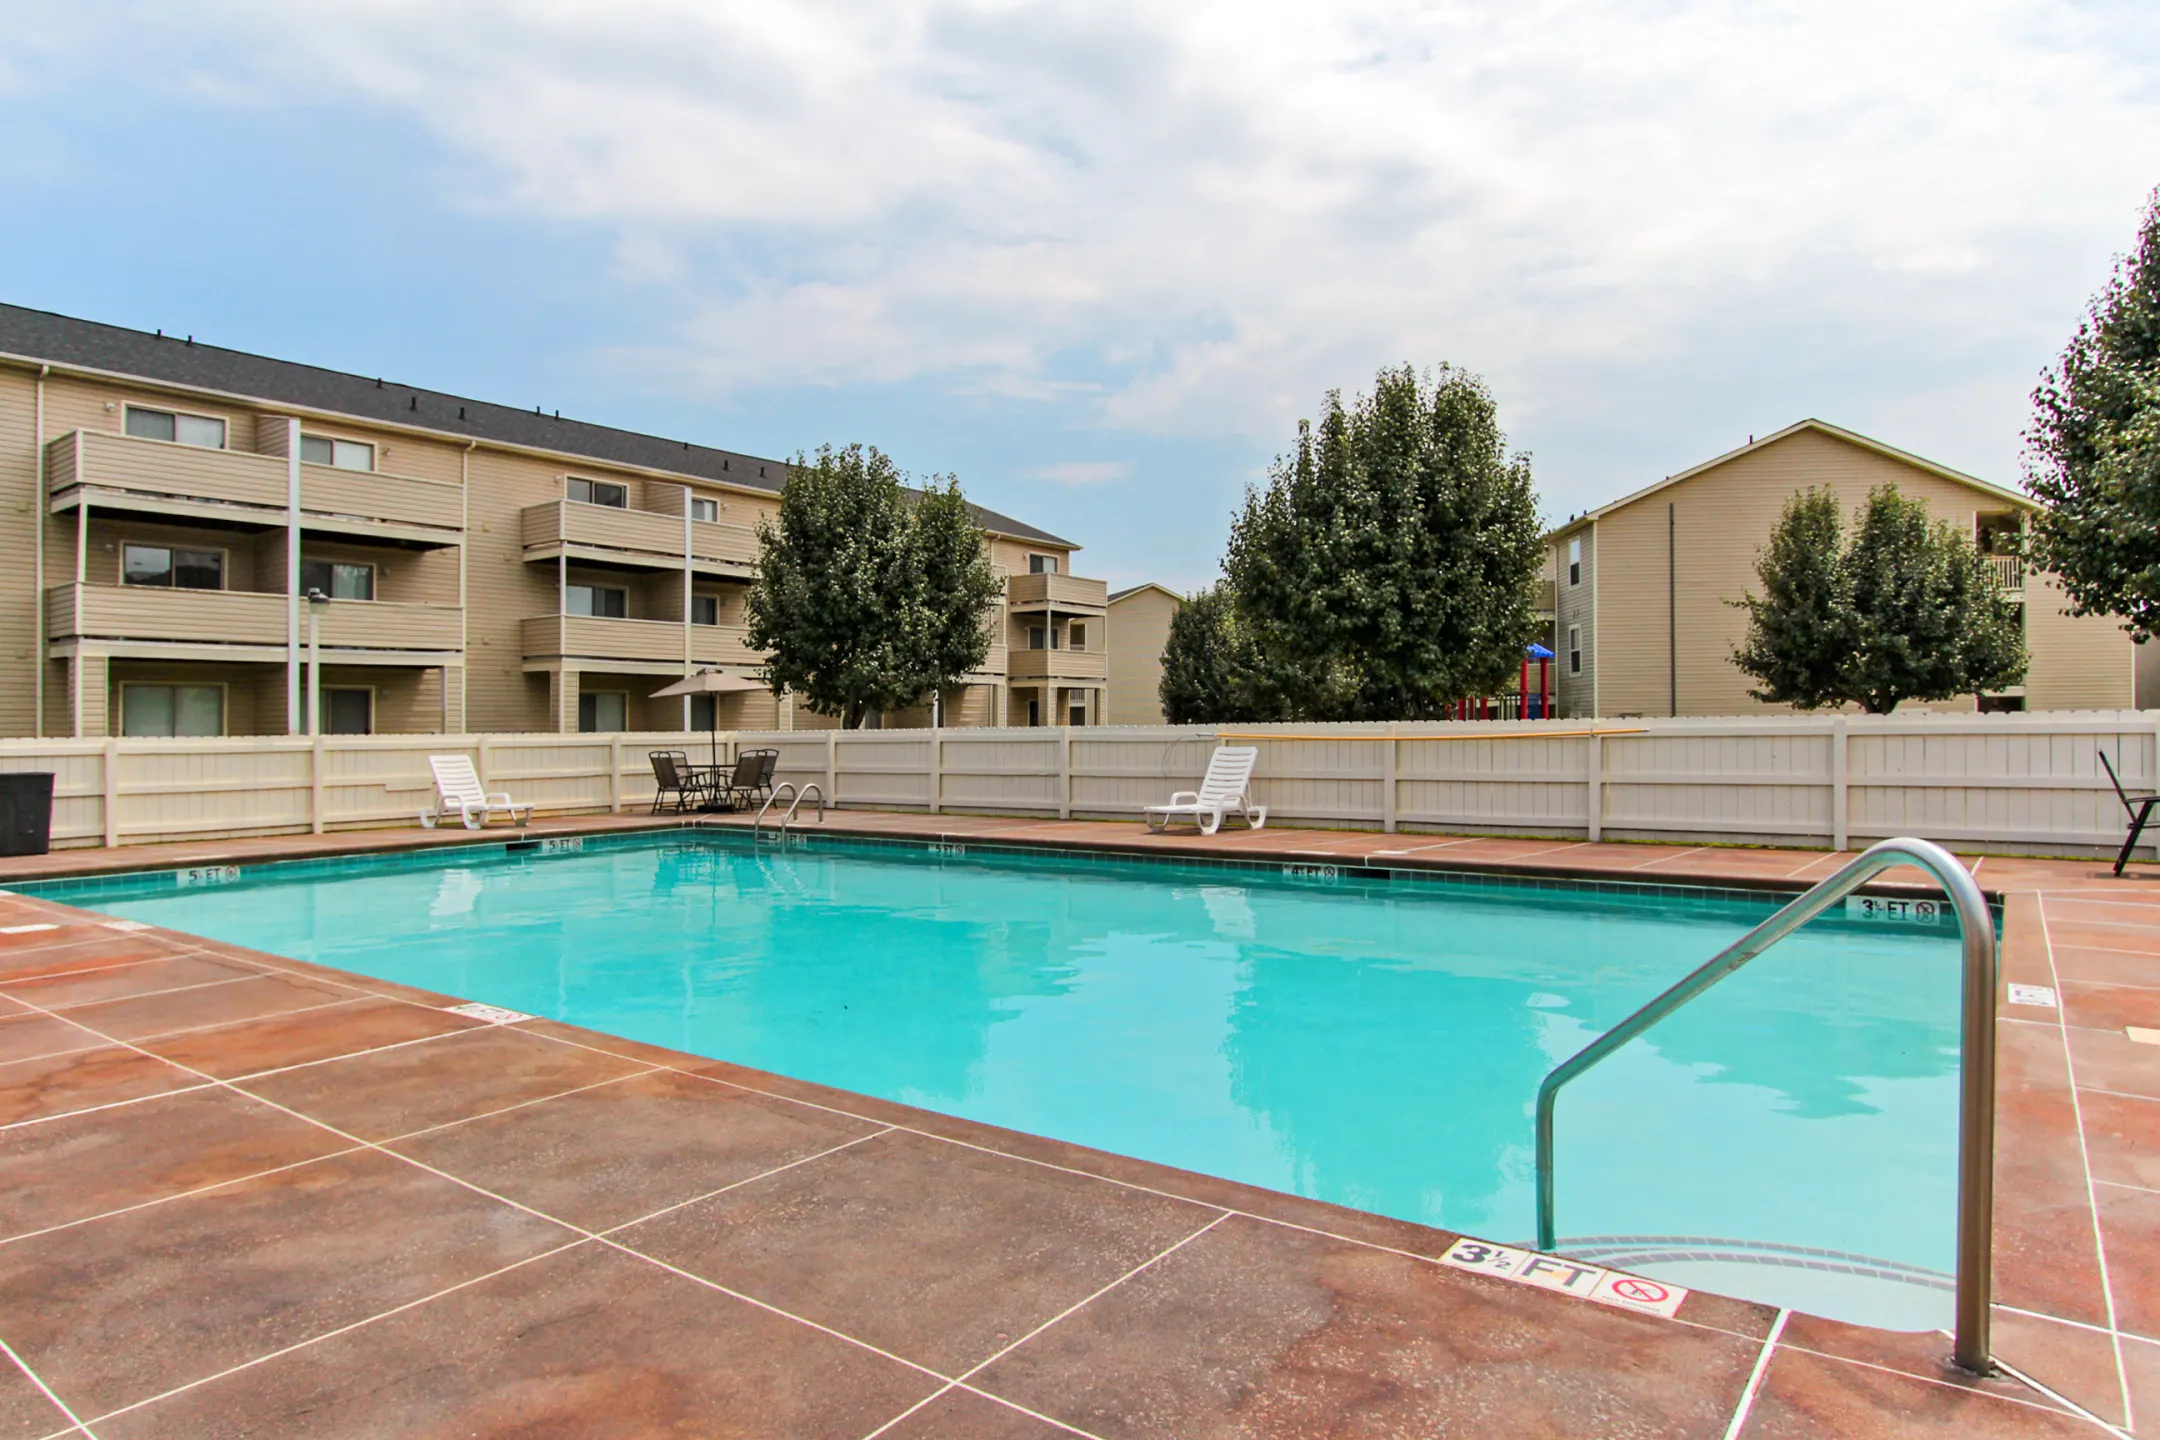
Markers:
{"x": 2005, "y": 783}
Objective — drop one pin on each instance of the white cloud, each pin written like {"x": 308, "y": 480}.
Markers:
{"x": 1081, "y": 472}
{"x": 1210, "y": 212}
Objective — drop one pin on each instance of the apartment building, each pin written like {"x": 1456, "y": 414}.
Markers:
{"x": 167, "y": 508}
{"x": 1644, "y": 623}
{"x": 1138, "y": 630}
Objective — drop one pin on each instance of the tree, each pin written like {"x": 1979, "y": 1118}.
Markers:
{"x": 1211, "y": 673}
{"x": 2094, "y": 448}
{"x": 868, "y": 598}
{"x": 1390, "y": 567}
{"x": 1909, "y": 611}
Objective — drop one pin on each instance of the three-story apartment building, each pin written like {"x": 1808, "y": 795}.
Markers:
{"x": 167, "y": 509}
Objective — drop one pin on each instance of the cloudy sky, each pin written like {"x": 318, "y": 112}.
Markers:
{"x": 1098, "y": 259}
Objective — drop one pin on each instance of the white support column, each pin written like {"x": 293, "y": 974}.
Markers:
{"x": 39, "y": 518}
{"x": 1390, "y": 752}
{"x": 1596, "y": 747}
{"x": 1840, "y": 811}
{"x": 292, "y": 577}
{"x": 464, "y": 561}
{"x": 689, "y": 663}
{"x": 1064, "y": 734}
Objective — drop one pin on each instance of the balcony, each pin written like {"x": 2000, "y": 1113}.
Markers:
{"x": 634, "y": 539}
{"x": 1068, "y": 594}
{"x": 244, "y": 624}
{"x": 586, "y": 642}
{"x": 159, "y": 477}
{"x": 1059, "y": 665}
{"x": 2009, "y": 572}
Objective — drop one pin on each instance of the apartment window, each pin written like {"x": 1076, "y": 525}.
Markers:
{"x": 169, "y": 568}
{"x": 604, "y": 711}
{"x": 704, "y": 509}
{"x": 599, "y": 492}
{"x": 1078, "y": 714}
{"x": 204, "y": 430}
{"x": 339, "y": 454}
{"x": 348, "y": 710}
{"x": 703, "y": 715}
{"x": 1574, "y": 561}
{"x": 1042, "y": 564}
{"x": 1034, "y": 712}
{"x": 340, "y": 581}
{"x": 704, "y": 609}
{"x": 2001, "y": 704}
{"x": 1574, "y": 649}
{"x": 604, "y": 601}
{"x": 172, "y": 709}
{"x": 1077, "y": 640}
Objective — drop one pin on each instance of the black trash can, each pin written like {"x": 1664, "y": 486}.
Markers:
{"x": 26, "y": 812}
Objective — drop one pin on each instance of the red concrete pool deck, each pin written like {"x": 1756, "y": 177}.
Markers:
{"x": 241, "y": 1195}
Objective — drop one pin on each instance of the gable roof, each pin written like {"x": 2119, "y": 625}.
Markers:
{"x": 39, "y": 337}
{"x": 1837, "y": 432}
{"x": 1117, "y": 595}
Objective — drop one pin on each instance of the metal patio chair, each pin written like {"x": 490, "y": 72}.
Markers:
{"x": 750, "y": 783}
{"x": 677, "y": 785}
{"x": 2138, "y": 807}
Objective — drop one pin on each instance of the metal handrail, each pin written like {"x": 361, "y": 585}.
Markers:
{"x": 805, "y": 793}
{"x": 787, "y": 786}
{"x": 1976, "y": 1104}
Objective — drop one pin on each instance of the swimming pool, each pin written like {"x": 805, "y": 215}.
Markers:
{"x": 1366, "y": 1038}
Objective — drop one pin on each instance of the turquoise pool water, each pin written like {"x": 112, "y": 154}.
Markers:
{"x": 1790, "y": 1137}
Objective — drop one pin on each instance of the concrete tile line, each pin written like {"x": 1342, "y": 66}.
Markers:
{"x": 108, "y": 1105}
{"x": 1972, "y": 1390}
{"x": 102, "y": 1043}
{"x": 77, "y": 1428}
{"x": 134, "y": 994}
{"x": 2114, "y": 950}
{"x": 179, "y": 951}
{"x": 345, "y": 1329}
{"x": 1662, "y": 859}
{"x": 1746, "y": 1402}
{"x": 584, "y": 1234}
{"x": 2063, "y": 1400}
{"x": 311, "y": 1160}
{"x": 1133, "y": 1185}
{"x": 2092, "y": 1195}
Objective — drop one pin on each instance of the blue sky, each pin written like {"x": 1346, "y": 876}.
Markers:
{"x": 1098, "y": 260}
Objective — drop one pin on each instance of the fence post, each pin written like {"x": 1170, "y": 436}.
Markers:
{"x": 832, "y": 768}
{"x": 112, "y": 793}
{"x": 937, "y": 767}
{"x": 1596, "y": 807}
{"x": 1840, "y": 829}
{"x": 1391, "y": 749}
{"x": 614, "y": 776}
{"x": 315, "y": 785}
{"x": 1064, "y": 772}
{"x": 480, "y": 759}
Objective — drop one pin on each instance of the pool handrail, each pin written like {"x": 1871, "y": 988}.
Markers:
{"x": 785, "y": 787}
{"x": 1976, "y": 1105}
{"x": 805, "y": 793}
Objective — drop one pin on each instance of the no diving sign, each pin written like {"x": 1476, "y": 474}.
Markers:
{"x": 1569, "y": 1277}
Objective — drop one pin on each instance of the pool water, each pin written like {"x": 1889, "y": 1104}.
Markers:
{"x": 1789, "y": 1137}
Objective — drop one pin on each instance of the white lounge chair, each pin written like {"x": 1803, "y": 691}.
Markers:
{"x": 458, "y": 792}
{"x": 1221, "y": 794}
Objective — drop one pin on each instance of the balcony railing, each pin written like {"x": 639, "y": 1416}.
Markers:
{"x": 642, "y": 642}
{"x": 2009, "y": 571}
{"x": 635, "y": 537}
{"x": 1056, "y": 592}
{"x": 158, "y": 473}
{"x": 123, "y": 613}
{"x": 1059, "y": 665}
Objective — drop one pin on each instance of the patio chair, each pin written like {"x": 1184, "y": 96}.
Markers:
{"x": 676, "y": 785}
{"x": 751, "y": 781}
{"x": 2138, "y": 807}
{"x": 1225, "y": 791}
{"x": 458, "y": 792}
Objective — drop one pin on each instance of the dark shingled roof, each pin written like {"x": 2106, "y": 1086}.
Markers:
{"x": 40, "y": 336}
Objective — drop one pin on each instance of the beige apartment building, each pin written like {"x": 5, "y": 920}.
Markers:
{"x": 166, "y": 507}
{"x": 1643, "y": 623}
{"x": 1138, "y": 627}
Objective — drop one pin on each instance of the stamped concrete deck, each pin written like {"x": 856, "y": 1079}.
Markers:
{"x": 245, "y": 1196}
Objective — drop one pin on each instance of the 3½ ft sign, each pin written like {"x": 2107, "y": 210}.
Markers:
{"x": 1569, "y": 1277}
{"x": 1877, "y": 907}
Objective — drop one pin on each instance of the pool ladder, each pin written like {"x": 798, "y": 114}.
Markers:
{"x": 794, "y": 804}
{"x": 1976, "y": 1107}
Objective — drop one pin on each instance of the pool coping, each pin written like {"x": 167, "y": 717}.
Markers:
{"x": 2024, "y": 1102}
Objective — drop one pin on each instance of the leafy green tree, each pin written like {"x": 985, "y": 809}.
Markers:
{"x": 1212, "y": 675}
{"x": 1390, "y": 567}
{"x": 1910, "y": 610}
{"x": 868, "y": 597}
{"x": 2094, "y": 448}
